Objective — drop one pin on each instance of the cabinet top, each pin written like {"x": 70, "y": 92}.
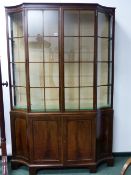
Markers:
{"x": 58, "y": 5}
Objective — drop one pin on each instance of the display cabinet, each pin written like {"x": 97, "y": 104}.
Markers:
{"x": 61, "y": 65}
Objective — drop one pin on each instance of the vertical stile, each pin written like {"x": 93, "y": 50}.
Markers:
{"x": 95, "y": 60}
{"x": 27, "y": 60}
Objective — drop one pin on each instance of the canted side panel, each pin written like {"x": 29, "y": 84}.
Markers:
{"x": 104, "y": 141}
{"x": 79, "y": 140}
{"x": 46, "y": 141}
{"x": 19, "y": 137}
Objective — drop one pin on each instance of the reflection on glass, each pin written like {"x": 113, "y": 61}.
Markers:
{"x": 71, "y": 74}
{"x": 36, "y": 74}
{"x": 71, "y": 22}
{"x": 103, "y": 25}
{"x": 103, "y": 96}
{"x": 52, "y": 99}
{"x": 50, "y": 23}
{"x": 18, "y": 53}
{"x": 35, "y": 22}
{"x": 10, "y": 50}
{"x": 111, "y": 26}
{"x": 19, "y": 97}
{"x": 17, "y": 25}
{"x": 86, "y": 98}
{"x": 71, "y": 49}
{"x": 51, "y": 52}
{"x": 102, "y": 51}
{"x": 86, "y": 48}
{"x": 102, "y": 73}
{"x": 37, "y": 99}
{"x": 51, "y": 74}
{"x": 18, "y": 74}
{"x": 71, "y": 98}
{"x": 87, "y": 23}
{"x": 86, "y": 74}
{"x": 35, "y": 49}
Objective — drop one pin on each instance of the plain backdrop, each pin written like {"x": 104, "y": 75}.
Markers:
{"x": 122, "y": 79}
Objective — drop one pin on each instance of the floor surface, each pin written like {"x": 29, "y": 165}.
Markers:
{"x": 101, "y": 170}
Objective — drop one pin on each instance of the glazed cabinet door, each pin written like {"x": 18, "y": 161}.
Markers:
{"x": 44, "y": 61}
{"x": 78, "y": 59}
{"x": 79, "y": 139}
{"x": 45, "y": 140}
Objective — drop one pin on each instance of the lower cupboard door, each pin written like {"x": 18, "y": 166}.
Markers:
{"x": 46, "y": 140}
{"x": 79, "y": 140}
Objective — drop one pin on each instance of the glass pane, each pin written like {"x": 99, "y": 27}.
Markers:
{"x": 9, "y": 26}
{"x": 35, "y": 22}
{"x": 50, "y": 23}
{"x": 110, "y": 58}
{"x": 19, "y": 97}
{"x": 51, "y": 74}
{"x": 87, "y": 23}
{"x": 36, "y": 74}
{"x": 110, "y": 73}
{"x": 71, "y": 74}
{"x": 18, "y": 53}
{"x": 86, "y": 74}
{"x": 103, "y": 25}
{"x": 10, "y": 50}
{"x": 103, "y": 96}
{"x": 111, "y": 26}
{"x": 71, "y": 49}
{"x": 37, "y": 99}
{"x": 52, "y": 99}
{"x": 102, "y": 75}
{"x": 86, "y": 98}
{"x": 16, "y": 25}
{"x": 86, "y": 48}
{"x": 71, "y": 23}
{"x": 51, "y": 52}
{"x": 18, "y": 74}
{"x": 103, "y": 49}
{"x": 35, "y": 49}
{"x": 71, "y": 98}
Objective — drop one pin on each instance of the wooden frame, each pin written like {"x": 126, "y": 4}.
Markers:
{"x": 98, "y": 121}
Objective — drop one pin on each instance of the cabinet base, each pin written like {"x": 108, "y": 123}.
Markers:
{"x": 15, "y": 164}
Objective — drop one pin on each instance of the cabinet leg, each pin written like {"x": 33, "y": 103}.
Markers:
{"x": 32, "y": 171}
{"x": 110, "y": 162}
{"x": 92, "y": 169}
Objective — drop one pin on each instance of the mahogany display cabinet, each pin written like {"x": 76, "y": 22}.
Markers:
{"x": 61, "y": 66}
